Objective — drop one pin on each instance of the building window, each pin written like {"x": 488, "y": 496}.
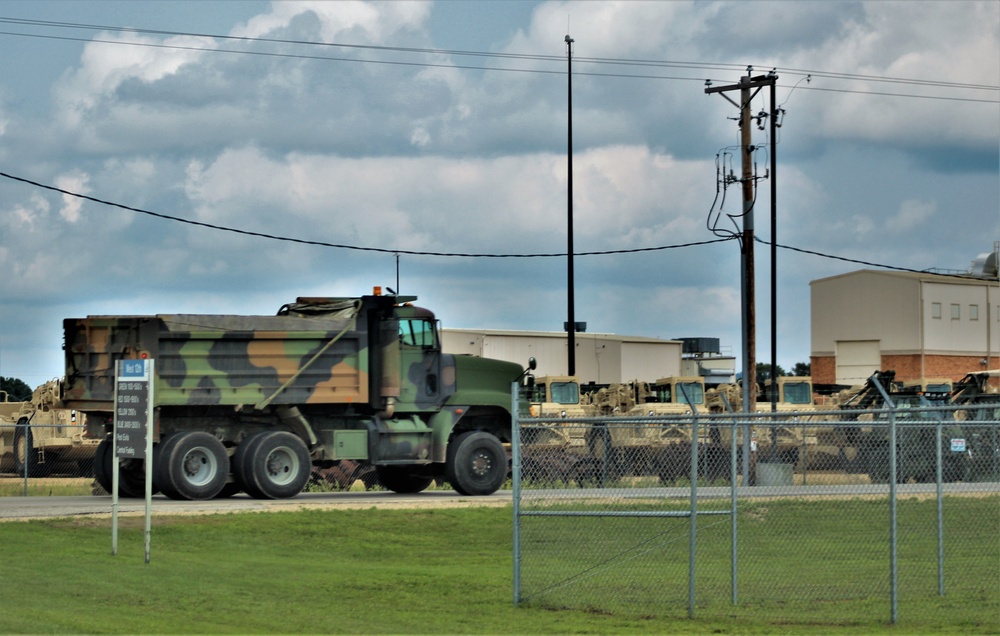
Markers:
{"x": 936, "y": 310}
{"x": 956, "y": 311}
{"x": 973, "y": 312}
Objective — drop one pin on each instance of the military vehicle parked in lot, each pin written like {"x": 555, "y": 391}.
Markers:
{"x": 867, "y": 446}
{"x": 40, "y": 436}
{"x": 252, "y": 403}
{"x": 557, "y": 451}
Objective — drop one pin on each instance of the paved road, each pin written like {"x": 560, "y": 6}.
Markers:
{"x": 15, "y": 508}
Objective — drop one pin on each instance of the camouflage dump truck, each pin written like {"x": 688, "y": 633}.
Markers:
{"x": 39, "y": 436}
{"x": 252, "y": 403}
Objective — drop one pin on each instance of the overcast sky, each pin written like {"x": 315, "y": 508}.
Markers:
{"x": 414, "y": 128}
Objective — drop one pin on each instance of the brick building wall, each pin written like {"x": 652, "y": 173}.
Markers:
{"x": 907, "y": 367}
{"x": 823, "y": 369}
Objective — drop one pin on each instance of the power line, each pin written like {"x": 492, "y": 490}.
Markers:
{"x": 344, "y": 246}
{"x": 385, "y": 250}
{"x": 868, "y": 263}
{"x": 508, "y": 56}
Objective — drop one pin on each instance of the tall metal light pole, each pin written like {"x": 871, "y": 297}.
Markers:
{"x": 774, "y": 252}
{"x": 571, "y": 313}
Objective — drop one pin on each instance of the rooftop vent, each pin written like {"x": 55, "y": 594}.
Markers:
{"x": 985, "y": 265}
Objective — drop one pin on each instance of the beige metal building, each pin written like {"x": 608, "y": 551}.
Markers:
{"x": 600, "y": 358}
{"x": 917, "y": 324}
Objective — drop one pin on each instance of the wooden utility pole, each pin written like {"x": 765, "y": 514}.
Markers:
{"x": 745, "y": 86}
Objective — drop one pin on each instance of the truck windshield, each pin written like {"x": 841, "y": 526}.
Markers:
{"x": 565, "y": 392}
{"x": 417, "y": 333}
{"x": 692, "y": 393}
{"x": 798, "y": 393}
{"x": 694, "y": 390}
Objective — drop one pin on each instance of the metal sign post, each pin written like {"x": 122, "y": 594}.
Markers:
{"x": 133, "y": 435}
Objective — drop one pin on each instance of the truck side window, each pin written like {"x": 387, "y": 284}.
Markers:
{"x": 416, "y": 333}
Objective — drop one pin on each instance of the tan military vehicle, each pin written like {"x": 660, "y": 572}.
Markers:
{"x": 783, "y": 439}
{"x": 933, "y": 385}
{"x": 558, "y": 450}
{"x": 40, "y": 436}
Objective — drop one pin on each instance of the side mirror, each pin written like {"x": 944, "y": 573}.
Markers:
{"x": 532, "y": 364}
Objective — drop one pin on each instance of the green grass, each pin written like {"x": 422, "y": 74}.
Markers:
{"x": 56, "y": 487}
{"x": 800, "y": 562}
{"x": 449, "y": 571}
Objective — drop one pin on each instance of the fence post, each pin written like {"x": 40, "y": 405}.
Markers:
{"x": 893, "y": 565}
{"x": 693, "y": 518}
{"x": 515, "y": 450}
{"x": 27, "y": 461}
{"x": 940, "y": 504}
{"x": 732, "y": 506}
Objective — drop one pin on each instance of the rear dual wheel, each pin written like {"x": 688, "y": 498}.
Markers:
{"x": 131, "y": 472}
{"x": 190, "y": 465}
{"x": 272, "y": 465}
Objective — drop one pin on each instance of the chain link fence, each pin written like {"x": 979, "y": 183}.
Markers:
{"x": 31, "y": 453}
{"x": 824, "y": 516}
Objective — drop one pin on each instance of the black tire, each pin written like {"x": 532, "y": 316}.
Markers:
{"x": 272, "y": 465}
{"x": 26, "y": 453}
{"x": 242, "y": 473}
{"x": 102, "y": 465}
{"x": 192, "y": 465}
{"x": 131, "y": 474}
{"x": 587, "y": 472}
{"x": 403, "y": 479}
{"x": 957, "y": 467}
{"x": 477, "y": 463}
{"x": 85, "y": 467}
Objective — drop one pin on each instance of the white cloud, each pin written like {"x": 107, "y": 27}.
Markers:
{"x": 75, "y": 181}
{"x": 105, "y": 65}
{"x": 376, "y": 22}
{"x": 911, "y": 217}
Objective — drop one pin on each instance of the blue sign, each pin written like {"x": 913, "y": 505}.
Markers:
{"x": 133, "y": 369}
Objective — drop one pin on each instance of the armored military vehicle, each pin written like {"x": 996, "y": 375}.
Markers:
{"x": 252, "y": 403}
{"x": 37, "y": 436}
{"x": 867, "y": 445}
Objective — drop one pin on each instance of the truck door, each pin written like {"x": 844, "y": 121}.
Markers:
{"x": 420, "y": 363}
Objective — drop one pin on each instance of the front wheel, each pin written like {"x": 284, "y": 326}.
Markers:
{"x": 27, "y": 458}
{"x": 477, "y": 463}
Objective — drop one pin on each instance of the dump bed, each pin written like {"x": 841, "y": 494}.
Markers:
{"x": 221, "y": 359}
